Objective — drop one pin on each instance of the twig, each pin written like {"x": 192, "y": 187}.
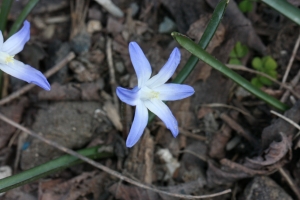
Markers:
{"x": 102, "y": 167}
{"x": 28, "y": 87}
{"x": 111, "y": 72}
{"x": 240, "y": 130}
{"x": 290, "y": 181}
{"x": 293, "y": 84}
{"x": 201, "y": 157}
{"x": 191, "y": 135}
{"x": 283, "y": 85}
{"x": 288, "y": 68}
{"x": 227, "y": 106}
{"x": 286, "y": 119}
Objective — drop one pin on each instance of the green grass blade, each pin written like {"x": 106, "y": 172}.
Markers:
{"x": 203, "y": 43}
{"x": 49, "y": 168}
{"x": 193, "y": 48}
{"x": 285, "y": 8}
{"x": 5, "y": 8}
{"x": 27, "y": 9}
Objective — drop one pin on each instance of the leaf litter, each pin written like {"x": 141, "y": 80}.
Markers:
{"x": 238, "y": 151}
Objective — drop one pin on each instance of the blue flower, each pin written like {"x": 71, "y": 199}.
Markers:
{"x": 151, "y": 92}
{"x": 8, "y": 64}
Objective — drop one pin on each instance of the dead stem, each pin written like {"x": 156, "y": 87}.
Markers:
{"x": 104, "y": 168}
{"x": 211, "y": 105}
{"x": 290, "y": 181}
{"x": 293, "y": 84}
{"x": 288, "y": 68}
{"x": 282, "y": 85}
{"x": 288, "y": 120}
{"x": 112, "y": 72}
{"x": 239, "y": 129}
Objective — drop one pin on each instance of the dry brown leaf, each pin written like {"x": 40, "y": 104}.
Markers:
{"x": 73, "y": 189}
{"x": 139, "y": 163}
{"x": 13, "y": 112}
{"x": 275, "y": 152}
{"x": 113, "y": 115}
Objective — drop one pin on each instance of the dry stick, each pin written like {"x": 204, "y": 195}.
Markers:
{"x": 282, "y": 85}
{"x": 191, "y": 135}
{"x": 288, "y": 68}
{"x": 102, "y": 167}
{"x": 290, "y": 181}
{"x": 28, "y": 87}
{"x": 112, "y": 72}
{"x": 226, "y": 106}
{"x": 293, "y": 84}
{"x": 281, "y": 170}
{"x": 286, "y": 119}
{"x": 240, "y": 130}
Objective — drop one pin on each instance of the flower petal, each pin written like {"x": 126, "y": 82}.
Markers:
{"x": 16, "y": 42}
{"x": 1, "y": 40}
{"x": 128, "y": 96}
{"x": 139, "y": 124}
{"x": 140, "y": 63}
{"x": 172, "y": 92}
{"x": 26, "y": 73}
{"x": 164, "y": 113}
{"x": 166, "y": 71}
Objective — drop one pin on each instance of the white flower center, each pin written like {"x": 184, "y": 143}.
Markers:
{"x": 147, "y": 93}
{"x": 5, "y": 58}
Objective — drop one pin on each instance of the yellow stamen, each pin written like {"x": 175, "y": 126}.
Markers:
{"x": 154, "y": 95}
{"x": 5, "y": 58}
{"x": 9, "y": 59}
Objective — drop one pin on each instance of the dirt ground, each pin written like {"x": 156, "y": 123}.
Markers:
{"x": 228, "y": 138}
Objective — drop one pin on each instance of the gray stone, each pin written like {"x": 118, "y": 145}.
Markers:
{"x": 264, "y": 188}
{"x": 71, "y": 124}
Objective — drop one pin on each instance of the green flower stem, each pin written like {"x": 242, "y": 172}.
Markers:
{"x": 203, "y": 43}
{"x": 51, "y": 167}
{"x": 5, "y": 8}
{"x": 17, "y": 24}
{"x": 285, "y": 8}
{"x": 193, "y": 48}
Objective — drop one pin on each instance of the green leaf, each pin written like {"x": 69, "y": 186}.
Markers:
{"x": 193, "y": 48}
{"x": 22, "y": 16}
{"x": 234, "y": 61}
{"x": 265, "y": 80}
{"x": 245, "y": 6}
{"x": 51, "y": 167}
{"x": 5, "y": 8}
{"x": 272, "y": 73}
{"x": 241, "y": 50}
{"x": 255, "y": 81}
{"x": 285, "y": 8}
{"x": 233, "y": 54}
{"x": 257, "y": 64}
{"x": 270, "y": 63}
{"x": 203, "y": 43}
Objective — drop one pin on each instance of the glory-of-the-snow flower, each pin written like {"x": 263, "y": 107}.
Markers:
{"x": 13, "y": 67}
{"x": 151, "y": 92}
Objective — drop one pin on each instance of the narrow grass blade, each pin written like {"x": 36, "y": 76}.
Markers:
{"x": 203, "y": 43}
{"x": 285, "y": 8}
{"x": 50, "y": 168}
{"x": 17, "y": 24}
{"x": 5, "y": 8}
{"x": 210, "y": 60}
